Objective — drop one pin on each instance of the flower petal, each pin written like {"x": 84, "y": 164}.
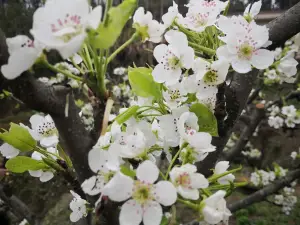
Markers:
{"x": 188, "y": 193}
{"x": 198, "y": 181}
{"x": 9, "y": 151}
{"x": 46, "y": 176}
{"x": 131, "y": 213}
{"x": 93, "y": 185}
{"x": 262, "y": 59}
{"x": 147, "y": 172}
{"x": 165, "y": 193}
{"x": 152, "y": 213}
{"x": 119, "y": 188}
{"x": 94, "y": 17}
{"x": 97, "y": 159}
{"x": 241, "y": 66}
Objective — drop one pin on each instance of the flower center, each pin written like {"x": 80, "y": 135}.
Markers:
{"x": 211, "y": 76}
{"x": 184, "y": 180}
{"x": 142, "y": 192}
{"x": 170, "y": 61}
{"x": 174, "y": 94}
{"x": 47, "y": 129}
{"x": 107, "y": 176}
{"x": 67, "y": 28}
{"x": 245, "y": 51}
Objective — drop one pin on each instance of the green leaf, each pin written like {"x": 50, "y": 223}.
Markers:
{"x": 107, "y": 34}
{"x": 123, "y": 117}
{"x": 164, "y": 221}
{"x": 142, "y": 82}
{"x": 128, "y": 172}
{"x": 19, "y": 137}
{"x": 21, "y": 164}
{"x": 206, "y": 119}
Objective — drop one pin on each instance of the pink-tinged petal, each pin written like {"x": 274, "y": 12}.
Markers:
{"x": 262, "y": 59}
{"x": 241, "y": 66}
{"x": 131, "y": 213}
{"x": 165, "y": 193}
{"x": 159, "y": 52}
{"x": 46, "y": 176}
{"x": 152, "y": 213}
{"x": 147, "y": 172}
{"x": 119, "y": 188}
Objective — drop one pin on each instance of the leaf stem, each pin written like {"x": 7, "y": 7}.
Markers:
{"x": 203, "y": 49}
{"x": 122, "y": 47}
{"x": 64, "y": 72}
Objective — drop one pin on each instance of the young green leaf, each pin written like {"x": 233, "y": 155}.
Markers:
{"x": 19, "y": 137}
{"x": 21, "y": 164}
{"x": 125, "y": 170}
{"x": 206, "y": 119}
{"x": 107, "y": 34}
{"x": 142, "y": 82}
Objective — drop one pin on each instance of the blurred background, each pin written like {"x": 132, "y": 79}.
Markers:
{"x": 50, "y": 201}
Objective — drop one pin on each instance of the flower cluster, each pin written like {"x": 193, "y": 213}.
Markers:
{"x": 287, "y": 199}
{"x": 287, "y": 115}
{"x": 263, "y": 178}
{"x": 87, "y": 116}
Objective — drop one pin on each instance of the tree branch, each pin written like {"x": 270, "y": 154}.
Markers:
{"x": 257, "y": 116}
{"x": 19, "y": 208}
{"x": 266, "y": 191}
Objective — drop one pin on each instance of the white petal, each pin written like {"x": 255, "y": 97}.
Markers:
{"x": 119, "y": 188}
{"x": 152, "y": 213}
{"x": 93, "y": 185}
{"x": 241, "y": 66}
{"x": 223, "y": 53}
{"x": 36, "y": 120}
{"x": 176, "y": 38}
{"x": 72, "y": 47}
{"x": 46, "y": 176}
{"x": 37, "y": 156}
{"x": 187, "y": 57}
{"x": 35, "y": 173}
{"x": 14, "y": 44}
{"x": 187, "y": 193}
{"x": 51, "y": 141}
{"x": 255, "y": 8}
{"x": 94, "y": 18}
{"x": 159, "y": 52}
{"x": 97, "y": 159}
{"x": 165, "y": 193}
{"x": 75, "y": 216}
{"x": 221, "y": 167}
{"x": 9, "y": 151}
{"x": 131, "y": 213}
{"x": 19, "y": 62}
{"x": 262, "y": 59}
{"x": 200, "y": 67}
{"x": 198, "y": 181}
{"x": 211, "y": 215}
{"x": 147, "y": 171}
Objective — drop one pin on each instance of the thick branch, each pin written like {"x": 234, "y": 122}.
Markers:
{"x": 266, "y": 191}
{"x": 247, "y": 132}
{"x": 18, "y": 207}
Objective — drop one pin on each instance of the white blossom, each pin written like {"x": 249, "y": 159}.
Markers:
{"x": 23, "y": 54}
{"x": 220, "y": 168}
{"x": 252, "y": 10}
{"x": 64, "y": 30}
{"x": 215, "y": 210}
{"x": 78, "y": 207}
{"x": 188, "y": 181}
{"x": 145, "y": 196}
{"x": 276, "y": 122}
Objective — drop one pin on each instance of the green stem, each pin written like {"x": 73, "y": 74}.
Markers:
{"x": 64, "y": 72}
{"x": 174, "y": 159}
{"x": 203, "y": 49}
{"x": 189, "y": 204}
{"x": 107, "y": 8}
{"x": 216, "y": 177}
{"x": 46, "y": 153}
{"x": 77, "y": 67}
{"x": 122, "y": 47}
{"x": 101, "y": 76}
